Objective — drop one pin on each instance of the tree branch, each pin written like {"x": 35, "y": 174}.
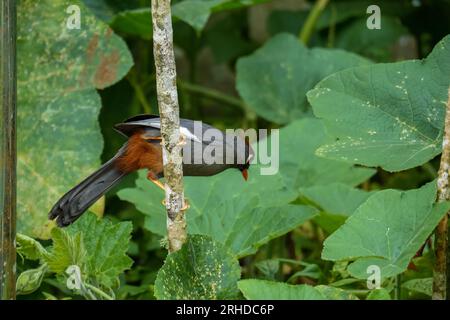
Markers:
{"x": 441, "y": 274}
{"x": 166, "y": 86}
{"x": 8, "y": 149}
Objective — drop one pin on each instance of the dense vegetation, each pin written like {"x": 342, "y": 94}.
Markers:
{"x": 360, "y": 137}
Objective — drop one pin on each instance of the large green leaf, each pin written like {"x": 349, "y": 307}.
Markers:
{"x": 337, "y": 202}
{"x": 136, "y": 22}
{"x": 424, "y": 286}
{"x": 106, "y": 245}
{"x": 224, "y": 206}
{"x": 30, "y": 248}
{"x": 386, "y": 231}
{"x": 59, "y": 140}
{"x": 332, "y": 293}
{"x": 67, "y": 250}
{"x": 202, "y": 269}
{"x": 388, "y": 115}
{"x": 197, "y": 12}
{"x": 194, "y": 12}
{"x": 374, "y": 44}
{"x": 253, "y": 289}
{"x": 336, "y": 198}
{"x": 333, "y": 14}
{"x": 299, "y": 165}
{"x": 379, "y": 294}
{"x": 275, "y": 79}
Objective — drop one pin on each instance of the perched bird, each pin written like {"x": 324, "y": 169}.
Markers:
{"x": 206, "y": 151}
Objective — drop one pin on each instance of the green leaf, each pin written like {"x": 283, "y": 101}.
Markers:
{"x": 275, "y": 79}
{"x": 30, "y": 280}
{"x": 253, "y": 289}
{"x": 332, "y": 293}
{"x": 334, "y": 14}
{"x": 236, "y": 4}
{"x": 375, "y": 44}
{"x": 97, "y": 247}
{"x": 136, "y": 22}
{"x": 202, "y": 269}
{"x": 388, "y": 115}
{"x": 379, "y": 294}
{"x": 59, "y": 139}
{"x": 30, "y": 248}
{"x": 337, "y": 202}
{"x": 424, "y": 286}
{"x": 336, "y": 198}
{"x": 225, "y": 38}
{"x": 219, "y": 210}
{"x": 194, "y": 12}
{"x": 67, "y": 250}
{"x": 311, "y": 271}
{"x": 269, "y": 268}
{"x": 299, "y": 165}
{"x": 386, "y": 231}
{"x": 106, "y": 244}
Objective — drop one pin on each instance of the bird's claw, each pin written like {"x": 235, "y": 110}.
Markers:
{"x": 182, "y": 141}
{"x": 185, "y": 207}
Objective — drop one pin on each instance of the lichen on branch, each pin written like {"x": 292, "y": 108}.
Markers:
{"x": 440, "y": 276}
{"x": 170, "y": 121}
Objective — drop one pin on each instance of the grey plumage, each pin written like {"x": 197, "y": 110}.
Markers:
{"x": 231, "y": 152}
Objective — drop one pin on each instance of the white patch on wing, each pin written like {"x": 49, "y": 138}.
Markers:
{"x": 184, "y": 131}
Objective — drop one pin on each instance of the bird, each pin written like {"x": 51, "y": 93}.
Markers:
{"x": 143, "y": 150}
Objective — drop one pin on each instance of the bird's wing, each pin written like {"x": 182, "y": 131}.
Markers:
{"x": 152, "y": 125}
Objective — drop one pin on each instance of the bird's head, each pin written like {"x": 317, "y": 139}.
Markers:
{"x": 243, "y": 168}
{"x": 249, "y": 154}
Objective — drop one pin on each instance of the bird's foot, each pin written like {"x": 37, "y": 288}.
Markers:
{"x": 151, "y": 176}
{"x": 182, "y": 141}
{"x": 185, "y": 207}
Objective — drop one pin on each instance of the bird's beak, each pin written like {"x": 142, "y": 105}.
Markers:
{"x": 245, "y": 174}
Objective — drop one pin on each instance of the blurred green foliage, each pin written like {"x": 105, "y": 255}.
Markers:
{"x": 240, "y": 65}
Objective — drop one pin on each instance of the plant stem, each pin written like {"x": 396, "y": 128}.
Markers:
{"x": 8, "y": 149}
{"x": 211, "y": 93}
{"x": 430, "y": 170}
{"x": 332, "y": 30}
{"x": 311, "y": 21}
{"x": 98, "y": 291}
{"x": 140, "y": 94}
{"x": 219, "y": 96}
{"x": 441, "y": 272}
{"x": 166, "y": 86}
{"x": 398, "y": 287}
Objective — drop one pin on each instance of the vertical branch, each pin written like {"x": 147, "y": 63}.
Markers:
{"x": 441, "y": 272}
{"x": 7, "y": 149}
{"x": 166, "y": 85}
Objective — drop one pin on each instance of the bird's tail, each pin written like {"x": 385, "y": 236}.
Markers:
{"x": 76, "y": 201}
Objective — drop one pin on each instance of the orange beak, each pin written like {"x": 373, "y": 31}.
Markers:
{"x": 245, "y": 174}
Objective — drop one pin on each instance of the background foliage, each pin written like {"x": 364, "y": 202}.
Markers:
{"x": 360, "y": 114}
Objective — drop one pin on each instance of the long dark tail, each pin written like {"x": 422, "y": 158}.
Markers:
{"x": 75, "y": 202}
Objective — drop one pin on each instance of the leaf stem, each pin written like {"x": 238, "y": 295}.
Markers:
{"x": 140, "y": 94}
{"x": 441, "y": 272}
{"x": 311, "y": 21}
{"x": 98, "y": 291}
{"x": 219, "y": 96}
